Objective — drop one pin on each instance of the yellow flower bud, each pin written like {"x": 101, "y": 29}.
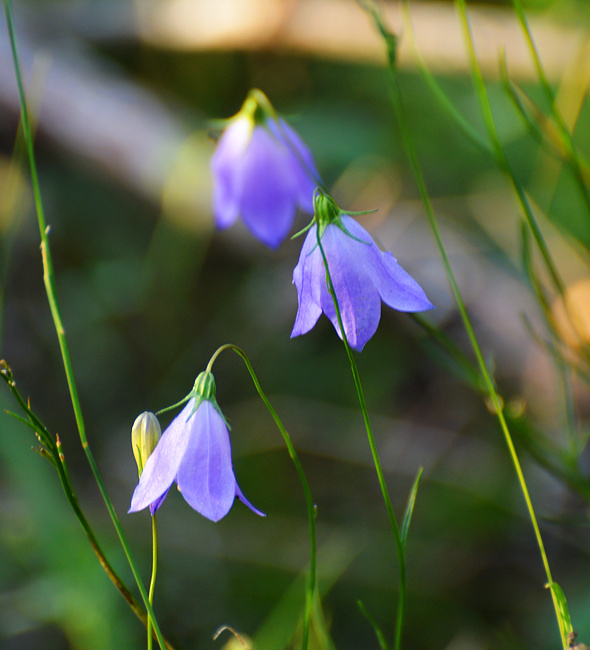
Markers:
{"x": 144, "y": 437}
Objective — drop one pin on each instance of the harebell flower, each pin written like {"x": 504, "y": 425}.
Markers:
{"x": 361, "y": 273}
{"x": 194, "y": 452}
{"x": 262, "y": 172}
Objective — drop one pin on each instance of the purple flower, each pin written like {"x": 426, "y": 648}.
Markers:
{"x": 262, "y": 172}
{"x": 194, "y": 452}
{"x": 361, "y": 273}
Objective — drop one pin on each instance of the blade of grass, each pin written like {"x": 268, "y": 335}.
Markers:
{"x": 400, "y": 113}
{"x": 566, "y": 136}
{"x": 49, "y": 282}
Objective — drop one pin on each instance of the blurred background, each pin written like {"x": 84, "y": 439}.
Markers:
{"x": 126, "y": 95}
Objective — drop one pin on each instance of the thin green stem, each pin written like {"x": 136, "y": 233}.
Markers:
{"x": 311, "y": 510}
{"x": 49, "y": 281}
{"x": 498, "y": 150}
{"x": 491, "y": 390}
{"x": 375, "y": 454}
{"x": 153, "y": 579}
{"x": 428, "y": 78}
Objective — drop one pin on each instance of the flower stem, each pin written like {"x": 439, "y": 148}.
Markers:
{"x": 488, "y": 381}
{"x": 49, "y": 281}
{"x": 153, "y": 579}
{"x": 311, "y": 509}
{"x": 376, "y": 460}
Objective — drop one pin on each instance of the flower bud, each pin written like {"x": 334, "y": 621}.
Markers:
{"x": 145, "y": 434}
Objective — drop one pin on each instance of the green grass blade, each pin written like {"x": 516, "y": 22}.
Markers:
{"x": 410, "y": 508}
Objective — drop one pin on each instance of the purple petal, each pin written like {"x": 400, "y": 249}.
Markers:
{"x": 205, "y": 477}
{"x": 397, "y": 287}
{"x": 158, "y": 502}
{"x": 225, "y": 164}
{"x": 305, "y": 169}
{"x": 245, "y": 501}
{"x": 267, "y": 187}
{"x": 307, "y": 278}
{"x": 358, "y": 298}
{"x": 163, "y": 463}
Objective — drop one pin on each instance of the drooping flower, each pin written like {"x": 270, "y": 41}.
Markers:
{"x": 145, "y": 434}
{"x": 194, "y": 452}
{"x": 262, "y": 172}
{"x": 361, "y": 273}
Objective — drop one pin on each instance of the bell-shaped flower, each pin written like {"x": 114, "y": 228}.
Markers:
{"x": 194, "y": 452}
{"x": 362, "y": 276}
{"x": 262, "y": 172}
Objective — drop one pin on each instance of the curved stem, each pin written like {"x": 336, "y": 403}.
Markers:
{"x": 311, "y": 510}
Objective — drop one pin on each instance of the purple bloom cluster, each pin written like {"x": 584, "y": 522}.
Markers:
{"x": 195, "y": 453}
{"x": 262, "y": 173}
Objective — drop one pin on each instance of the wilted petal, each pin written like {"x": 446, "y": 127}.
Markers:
{"x": 205, "y": 476}
{"x": 162, "y": 466}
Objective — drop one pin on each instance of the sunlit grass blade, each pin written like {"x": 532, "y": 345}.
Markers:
{"x": 566, "y": 136}
{"x": 565, "y": 621}
{"x": 444, "y": 102}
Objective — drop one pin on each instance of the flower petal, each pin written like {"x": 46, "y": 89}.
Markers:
{"x": 267, "y": 187}
{"x": 158, "y": 502}
{"x": 245, "y": 501}
{"x": 358, "y": 298}
{"x": 307, "y": 278}
{"x": 304, "y": 168}
{"x": 225, "y": 167}
{"x": 397, "y": 287}
{"x": 205, "y": 476}
{"x": 163, "y": 463}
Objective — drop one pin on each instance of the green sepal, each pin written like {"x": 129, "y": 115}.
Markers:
{"x": 204, "y": 389}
